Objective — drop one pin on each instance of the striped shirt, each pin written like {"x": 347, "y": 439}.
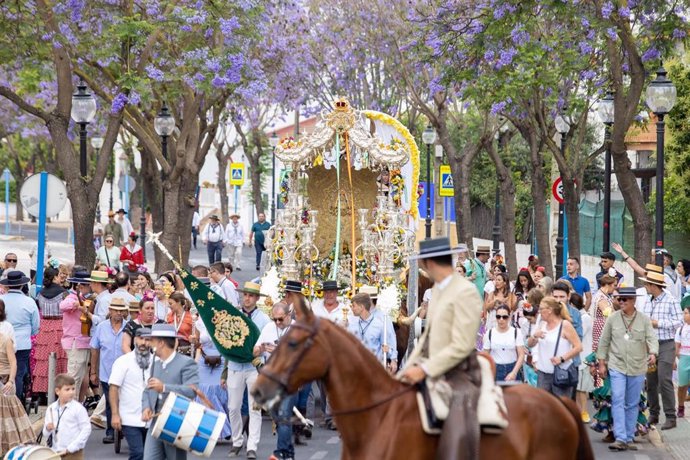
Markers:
{"x": 665, "y": 309}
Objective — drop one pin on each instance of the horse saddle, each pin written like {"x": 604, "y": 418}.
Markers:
{"x": 434, "y": 397}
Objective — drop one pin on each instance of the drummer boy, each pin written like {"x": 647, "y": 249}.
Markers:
{"x": 67, "y": 421}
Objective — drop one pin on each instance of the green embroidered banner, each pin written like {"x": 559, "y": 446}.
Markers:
{"x": 232, "y": 332}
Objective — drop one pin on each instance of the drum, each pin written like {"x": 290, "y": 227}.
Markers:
{"x": 188, "y": 425}
{"x": 31, "y": 452}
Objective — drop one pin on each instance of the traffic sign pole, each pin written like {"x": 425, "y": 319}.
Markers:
{"x": 41, "y": 231}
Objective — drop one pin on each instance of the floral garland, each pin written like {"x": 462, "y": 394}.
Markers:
{"x": 411, "y": 144}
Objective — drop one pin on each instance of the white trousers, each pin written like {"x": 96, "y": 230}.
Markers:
{"x": 234, "y": 255}
{"x": 237, "y": 382}
{"x": 77, "y": 364}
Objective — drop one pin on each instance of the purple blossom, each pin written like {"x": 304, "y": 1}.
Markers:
{"x": 213, "y": 65}
{"x": 219, "y": 82}
{"x": 585, "y": 23}
{"x": 199, "y": 76}
{"x": 678, "y": 33}
{"x": 588, "y": 74}
{"x": 585, "y": 48}
{"x": 590, "y": 34}
{"x": 186, "y": 28}
{"x": 435, "y": 85}
{"x": 606, "y": 9}
{"x": 498, "y": 107}
{"x": 612, "y": 34}
{"x": 624, "y": 12}
{"x": 506, "y": 57}
{"x": 119, "y": 103}
{"x": 154, "y": 73}
{"x": 489, "y": 55}
{"x": 134, "y": 98}
{"x": 76, "y": 7}
{"x": 228, "y": 26}
{"x": 435, "y": 44}
{"x": 651, "y": 54}
{"x": 519, "y": 36}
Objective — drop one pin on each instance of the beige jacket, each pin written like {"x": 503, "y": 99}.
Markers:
{"x": 453, "y": 319}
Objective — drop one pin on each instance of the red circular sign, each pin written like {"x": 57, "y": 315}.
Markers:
{"x": 557, "y": 190}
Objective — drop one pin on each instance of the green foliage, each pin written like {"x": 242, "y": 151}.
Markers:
{"x": 677, "y": 153}
{"x": 13, "y": 191}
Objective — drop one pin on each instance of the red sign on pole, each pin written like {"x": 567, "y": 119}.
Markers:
{"x": 557, "y": 190}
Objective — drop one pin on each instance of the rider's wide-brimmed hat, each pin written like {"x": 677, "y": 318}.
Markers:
{"x": 79, "y": 278}
{"x": 98, "y": 276}
{"x": 434, "y": 247}
{"x": 293, "y": 286}
{"x": 331, "y": 285}
{"x": 654, "y": 278}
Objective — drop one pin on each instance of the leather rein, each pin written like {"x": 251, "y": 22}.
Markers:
{"x": 284, "y": 379}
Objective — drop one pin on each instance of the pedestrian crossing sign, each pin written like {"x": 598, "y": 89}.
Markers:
{"x": 237, "y": 174}
{"x": 446, "y": 188}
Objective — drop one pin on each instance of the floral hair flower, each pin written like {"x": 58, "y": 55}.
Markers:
{"x": 142, "y": 269}
{"x": 54, "y": 263}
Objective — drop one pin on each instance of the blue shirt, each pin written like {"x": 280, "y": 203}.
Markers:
{"x": 370, "y": 333}
{"x": 391, "y": 340}
{"x": 258, "y": 229}
{"x": 580, "y": 284}
{"x": 109, "y": 343}
{"x": 261, "y": 319}
{"x": 22, "y": 314}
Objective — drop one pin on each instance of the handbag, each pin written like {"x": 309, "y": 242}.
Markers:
{"x": 567, "y": 377}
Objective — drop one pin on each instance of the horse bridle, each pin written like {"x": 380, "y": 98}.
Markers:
{"x": 284, "y": 379}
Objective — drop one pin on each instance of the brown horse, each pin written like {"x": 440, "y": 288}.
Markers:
{"x": 377, "y": 416}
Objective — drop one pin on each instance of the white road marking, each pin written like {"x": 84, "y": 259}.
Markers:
{"x": 319, "y": 455}
{"x": 333, "y": 440}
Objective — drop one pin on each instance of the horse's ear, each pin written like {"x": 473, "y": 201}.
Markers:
{"x": 307, "y": 312}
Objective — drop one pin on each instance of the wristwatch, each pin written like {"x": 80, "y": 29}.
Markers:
{"x": 562, "y": 359}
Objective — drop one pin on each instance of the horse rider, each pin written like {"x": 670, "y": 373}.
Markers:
{"x": 453, "y": 316}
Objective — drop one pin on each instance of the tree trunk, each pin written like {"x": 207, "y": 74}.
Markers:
{"x": 223, "y": 160}
{"x": 255, "y": 165}
{"x": 539, "y": 187}
{"x": 19, "y": 181}
{"x": 507, "y": 187}
{"x": 179, "y": 202}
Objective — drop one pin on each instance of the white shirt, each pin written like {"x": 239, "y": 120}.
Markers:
{"x": 131, "y": 379}
{"x": 100, "y": 311}
{"x": 586, "y": 334}
{"x": 126, "y": 226}
{"x": 335, "y": 315}
{"x": 162, "y": 309}
{"x": 33, "y": 254}
{"x": 271, "y": 333}
{"x": 227, "y": 290}
{"x": 503, "y": 345}
{"x": 73, "y": 429}
{"x": 234, "y": 235}
{"x": 196, "y": 219}
{"x": 683, "y": 338}
{"x": 7, "y": 329}
{"x": 212, "y": 233}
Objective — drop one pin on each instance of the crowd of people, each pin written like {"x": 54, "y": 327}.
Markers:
{"x": 599, "y": 338}
{"x": 573, "y": 337}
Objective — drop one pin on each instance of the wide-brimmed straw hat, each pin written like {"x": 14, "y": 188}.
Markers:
{"x": 116, "y": 303}
{"x": 15, "y": 278}
{"x": 373, "y": 291}
{"x": 483, "y": 250}
{"x": 134, "y": 306}
{"x": 251, "y": 288}
{"x": 654, "y": 278}
{"x": 234, "y": 214}
{"x": 98, "y": 276}
{"x": 434, "y": 247}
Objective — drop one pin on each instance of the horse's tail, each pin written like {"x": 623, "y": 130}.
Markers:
{"x": 584, "y": 448}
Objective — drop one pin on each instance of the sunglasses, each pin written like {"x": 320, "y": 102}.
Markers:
{"x": 10, "y": 260}
{"x": 108, "y": 241}
{"x": 623, "y": 299}
{"x": 502, "y": 316}
{"x": 278, "y": 320}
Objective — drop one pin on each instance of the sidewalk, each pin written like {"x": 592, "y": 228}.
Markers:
{"x": 677, "y": 441}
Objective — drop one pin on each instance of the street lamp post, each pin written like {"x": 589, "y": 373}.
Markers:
{"x": 606, "y": 114}
{"x": 661, "y": 97}
{"x": 428, "y": 137}
{"x": 164, "y": 124}
{"x": 83, "y": 113}
{"x": 496, "y": 234}
{"x": 97, "y": 144}
{"x": 563, "y": 126}
{"x": 273, "y": 140}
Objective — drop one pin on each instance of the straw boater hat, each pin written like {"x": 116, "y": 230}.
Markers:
{"x": 234, "y": 214}
{"x": 116, "y": 303}
{"x": 483, "y": 250}
{"x": 654, "y": 278}
{"x": 15, "y": 278}
{"x": 252, "y": 288}
{"x": 373, "y": 291}
{"x": 434, "y": 247}
{"x": 653, "y": 268}
{"x": 293, "y": 286}
{"x": 134, "y": 306}
{"x": 98, "y": 276}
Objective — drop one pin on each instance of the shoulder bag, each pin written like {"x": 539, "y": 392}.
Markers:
{"x": 564, "y": 378}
